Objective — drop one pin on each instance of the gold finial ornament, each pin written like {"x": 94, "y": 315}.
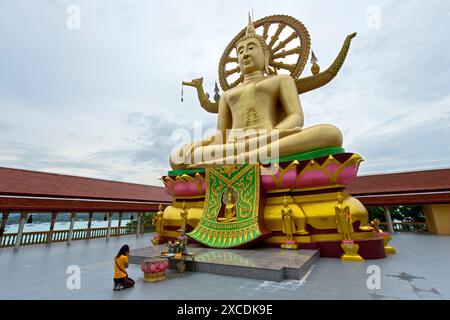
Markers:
{"x": 315, "y": 69}
{"x": 250, "y": 27}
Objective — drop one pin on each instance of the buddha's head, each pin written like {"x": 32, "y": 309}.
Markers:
{"x": 252, "y": 51}
{"x": 340, "y": 198}
{"x": 229, "y": 197}
{"x": 285, "y": 201}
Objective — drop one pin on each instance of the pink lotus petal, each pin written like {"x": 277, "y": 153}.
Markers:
{"x": 289, "y": 178}
{"x": 313, "y": 178}
{"x": 347, "y": 175}
{"x": 331, "y": 168}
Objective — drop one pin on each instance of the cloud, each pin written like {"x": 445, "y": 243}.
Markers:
{"x": 417, "y": 140}
{"x": 4, "y": 126}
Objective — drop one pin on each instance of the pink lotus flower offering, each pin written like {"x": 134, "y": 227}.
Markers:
{"x": 154, "y": 266}
{"x": 348, "y": 241}
{"x": 289, "y": 242}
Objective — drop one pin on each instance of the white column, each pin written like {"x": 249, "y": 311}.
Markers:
{"x": 3, "y": 225}
{"x": 52, "y": 227}
{"x": 120, "y": 223}
{"x": 138, "y": 230}
{"x": 89, "y": 225}
{"x": 23, "y": 218}
{"x": 387, "y": 214}
{"x": 120, "y": 219}
{"x": 108, "y": 233}
{"x": 72, "y": 225}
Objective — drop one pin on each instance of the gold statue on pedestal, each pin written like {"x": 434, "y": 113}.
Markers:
{"x": 230, "y": 209}
{"x": 345, "y": 226}
{"x": 289, "y": 227}
{"x": 263, "y": 101}
{"x": 158, "y": 222}
{"x": 184, "y": 216}
{"x": 343, "y": 218}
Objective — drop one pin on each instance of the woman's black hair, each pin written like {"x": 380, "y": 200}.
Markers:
{"x": 125, "y": 248}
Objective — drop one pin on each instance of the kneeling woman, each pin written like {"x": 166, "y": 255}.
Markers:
{"x": 121, "y": 280}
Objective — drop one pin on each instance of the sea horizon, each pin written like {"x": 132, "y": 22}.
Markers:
{"x": 62, "y": 225}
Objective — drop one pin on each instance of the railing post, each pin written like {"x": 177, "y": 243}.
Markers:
{"x": 88, "y": 236}
{"x": 387, "y": 214}
{"x": 3, "y": 225}
{"x": 52, "y": 227}
{"x": 120, "y": 223}
{"x": 23, "y": 217}
{"x": 120, "y": 219}
{"x": 73, "y": 215}
{"x": 108, "y": 233}
{"x": 138, "y": 229}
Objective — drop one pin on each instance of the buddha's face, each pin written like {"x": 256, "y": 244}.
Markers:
{"x": 251, "y": 56}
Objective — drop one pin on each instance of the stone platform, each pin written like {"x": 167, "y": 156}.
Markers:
{"x": 272, "y": 264}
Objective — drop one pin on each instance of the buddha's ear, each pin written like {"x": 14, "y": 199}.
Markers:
{"x": 266, "y": 62}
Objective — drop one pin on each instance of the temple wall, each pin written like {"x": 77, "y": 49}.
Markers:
{"x": 438, "y": 218}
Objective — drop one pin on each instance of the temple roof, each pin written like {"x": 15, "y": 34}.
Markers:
{"x": 405, "y": 188}
{"x": 16, "y": 182}
{"x": 415, "y": 181}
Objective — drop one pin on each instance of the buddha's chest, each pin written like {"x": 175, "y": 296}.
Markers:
{"x": 253, "y": 97}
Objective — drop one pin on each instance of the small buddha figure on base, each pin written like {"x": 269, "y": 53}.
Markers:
{"x": 343, "y": 217}
{"x": 158, "y": 222}
{"x": 288, "y": 226}
{"x": 230, "y": 209}
{"x": 184, "y": 216}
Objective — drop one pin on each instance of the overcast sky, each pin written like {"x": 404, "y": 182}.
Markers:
{"x": 102, "y": 101}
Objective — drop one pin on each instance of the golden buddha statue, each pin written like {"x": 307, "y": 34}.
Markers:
{"x": 158, "y": 220}
{"x": 184, "y": 216}
{"x": 287, "y": 216}
{"x": 230, "y": 209}
{"x": 263, "y": 106}
{"x": 343, "y": 217}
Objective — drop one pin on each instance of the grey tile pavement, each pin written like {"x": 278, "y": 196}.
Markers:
{"x": 420, "y": 270}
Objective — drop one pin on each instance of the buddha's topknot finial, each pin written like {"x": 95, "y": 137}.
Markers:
{"x": 250, "y": 27}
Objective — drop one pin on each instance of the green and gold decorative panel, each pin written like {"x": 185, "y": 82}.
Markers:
{"x": 230, "y": 214}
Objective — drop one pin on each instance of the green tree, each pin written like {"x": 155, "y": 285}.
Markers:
{"x": 146, "y": 221}
{"x": 400, "y": 213}
{"x": 408, "y": 213}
